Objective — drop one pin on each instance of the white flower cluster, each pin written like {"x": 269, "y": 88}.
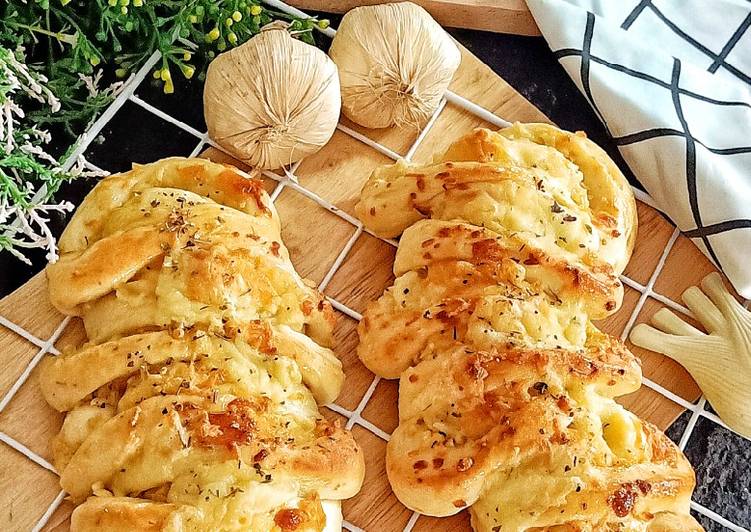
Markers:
{"x": 25, "y": 167}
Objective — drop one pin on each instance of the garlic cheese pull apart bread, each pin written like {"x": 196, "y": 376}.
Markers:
{"x": 193, "y": 406}
{"x": 511, "y": 243}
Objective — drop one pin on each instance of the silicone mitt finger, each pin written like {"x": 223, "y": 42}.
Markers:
{"x": 648, "y": 337}
{"x": 683, "y": 349}
{"x": 703, "y": 308}
{"x": 713, "y": 286}
{"x": 666, "y": 320}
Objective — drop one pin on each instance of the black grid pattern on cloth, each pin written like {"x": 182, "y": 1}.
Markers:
{"x": 701, "y": 231}
{"x": 718, "y": 60}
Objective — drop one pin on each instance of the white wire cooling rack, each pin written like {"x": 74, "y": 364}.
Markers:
{"x": 289, "y": 180}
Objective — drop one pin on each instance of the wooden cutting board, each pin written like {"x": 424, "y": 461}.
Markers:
{"x": 500, "y": 16}
{"x": 315, "y": 238}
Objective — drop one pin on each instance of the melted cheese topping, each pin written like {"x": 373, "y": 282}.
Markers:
{"x": 162, "y": 256}
{"x": 536, "y": 180}
{"x": 223, "y": 372}
{"x": 429, "y": 310}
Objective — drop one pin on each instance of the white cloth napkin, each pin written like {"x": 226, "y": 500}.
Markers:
{"x": 671, "y": 80}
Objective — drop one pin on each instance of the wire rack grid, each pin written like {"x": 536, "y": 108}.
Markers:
{"x": 288, "y": 179}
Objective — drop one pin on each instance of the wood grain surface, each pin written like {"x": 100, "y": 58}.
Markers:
{"x": 500, "y": 16}
{"x": 315, "y": 237}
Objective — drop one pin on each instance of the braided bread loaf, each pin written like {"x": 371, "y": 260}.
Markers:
{"x": 193, "y": 406}
{"x": 511, "y": 243}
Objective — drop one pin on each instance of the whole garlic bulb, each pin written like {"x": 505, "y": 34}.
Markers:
{"x": 395, "y": 62}
{"x": 272, "y": 101}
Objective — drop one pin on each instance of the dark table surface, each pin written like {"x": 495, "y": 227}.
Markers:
{"x": 721, "y": 458}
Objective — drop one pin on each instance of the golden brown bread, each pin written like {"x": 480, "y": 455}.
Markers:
{"x": 544, "y": 184}
{"x": 193, "y": 405}
{"x": 140, "y": 253}
{"x": 510, "y": 243}
{"x": 80, "y": 374}
{"x": 165, "y": 439}
{"x": 522, "y": 422}
{"x": 115, "y": 514}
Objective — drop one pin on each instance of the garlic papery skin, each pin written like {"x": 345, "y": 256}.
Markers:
{"x": 272, "y": 101}
{"x": 719, "y": 361}
{"x": 395, "y": 63}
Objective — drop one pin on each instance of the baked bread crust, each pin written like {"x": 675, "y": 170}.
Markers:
{"x": 115, "y": 514}
{"x": 194, "y": 404}
{"x": 511, "y": 242}
{"x": 224, "y": 261}
{"x": 523, "y": 179}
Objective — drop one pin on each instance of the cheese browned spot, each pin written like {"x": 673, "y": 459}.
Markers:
{"x": 289, "y": 518}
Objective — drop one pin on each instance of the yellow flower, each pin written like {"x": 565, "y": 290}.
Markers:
{"x": 121, "y": 72}
{"x": 256, "y": 10}
{"x": 124, "y": 10}
{"x": 124, "y": 2}
{"x": 94, "y": 60}
{"x": 165, "y": 74}
{"x": 157, "y": 74}
{"x": 188, "y": 71}
{"x": 213, "y": 34}
{"x": 169, "y": 87}
{"x": 229, "y": 22}
{"x": 232, "y": 38}
{"x": 137, "y": 3}
{"x": 187, "y": 56}
{"x": 236, "y": 16}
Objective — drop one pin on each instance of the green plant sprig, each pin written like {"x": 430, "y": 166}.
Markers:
{"x": 123, "y": 34}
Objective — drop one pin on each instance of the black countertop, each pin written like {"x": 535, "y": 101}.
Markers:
{"x": 720, "y": 457}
